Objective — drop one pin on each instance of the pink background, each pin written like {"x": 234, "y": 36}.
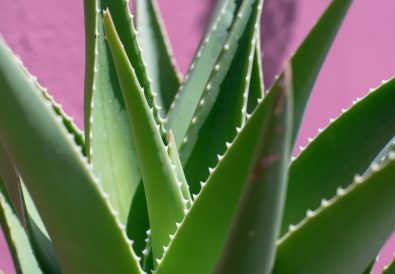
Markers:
{"x": 48, "y": 35}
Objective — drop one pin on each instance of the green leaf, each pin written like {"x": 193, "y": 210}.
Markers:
{"x": 256, "y": 91}
{"x": 70, "y": 199}
{"x": 355, "y": 223}
{"x": 164, "y": 197}
{"x": 223, "y": 106}
{"x": 38, "y": 236}
{"x": 187, "y": 99}
{"x": 109, "y": 138}
{"x": 210, "y": 216}
{"x": 309, "y": 57}
{"x": 18, "y": 242}
{"x": 337, "y": 154}
{"x": 147, "y": 253}
{"x": 114, "y": 128}
{"x": 157, "y": 52}
{"x": 176, "y": 162}
{"x": 123, "y": 21}
{"x": 390, "y": 269}
{"x": 251, "y": 245}
{"x": 26, "y": 212}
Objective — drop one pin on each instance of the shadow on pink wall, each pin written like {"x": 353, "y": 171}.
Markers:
{"x": 48, "y": 35}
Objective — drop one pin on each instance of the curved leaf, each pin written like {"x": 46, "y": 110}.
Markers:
{"x": 353, "y": 224}
{"x": 71, "y": 201}
{"x": 339, "y": 152}
{"x": 309, "y": 57}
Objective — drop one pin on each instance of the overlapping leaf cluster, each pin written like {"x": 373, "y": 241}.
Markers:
{"x": 192, "y": 174}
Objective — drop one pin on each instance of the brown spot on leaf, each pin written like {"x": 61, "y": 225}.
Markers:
{"x": 264, "y": 163}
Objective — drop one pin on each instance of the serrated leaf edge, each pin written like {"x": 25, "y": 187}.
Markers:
{"x": 213, "y": 74}
{"x": 199, "y": 53}
{"x": 320, "y": 131}
{"x": 83, "y": 160}
{"x": 341, "y": 193}
{"x": 169, "y": 49}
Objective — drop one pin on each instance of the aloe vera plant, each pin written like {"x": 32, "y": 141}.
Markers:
{"x": 192, "y": 174}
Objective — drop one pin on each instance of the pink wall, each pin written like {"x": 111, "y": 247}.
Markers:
{"x": 48, "y": 35}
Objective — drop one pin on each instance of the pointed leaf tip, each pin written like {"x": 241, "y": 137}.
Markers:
{"x": 251, "y": 244}
{"x": 164, "y": 197}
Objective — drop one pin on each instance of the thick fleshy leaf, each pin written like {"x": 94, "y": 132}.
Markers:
{"x": 187, "y": 99}
{"x": 27, "y": 215}
{"x": 210, "y": 217}
{"x": 109, "y": 138}
{"x": 18, "y": 242}
{"x": 339, "y": 152}
{"x": 70, "y": 199}
{"x": 251, "y": 245}
{"x": 30, "y": 219}
{"x": 355, "y": 223}
{"x": 133, "y": 194}
{"x": 164, "y": 197}
{"x": 309, "y": 57}
{"x": 223, "y": 106}
{"x": 123, "y": 21}
{"x": 157, "y": 53}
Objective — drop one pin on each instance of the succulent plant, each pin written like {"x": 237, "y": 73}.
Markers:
{"x": 192, "y": 175}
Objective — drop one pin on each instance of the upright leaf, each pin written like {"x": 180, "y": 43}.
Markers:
{"x": 309, "y": 57}
{"x": 338, "y": 153}
{"x": 251, "y": 245}
{"x": 164, "y": 198}
{"x": 109, "y": 138}
{"x": 347, "y": 231}
{"x": 113, "y": 129}
{"x": 157, "y": 52}
{"x": 187, "y": 99}
{"x": 223, "y": 106}
{"x": 210, "y": 217}
{"x": 84, "y": 228}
